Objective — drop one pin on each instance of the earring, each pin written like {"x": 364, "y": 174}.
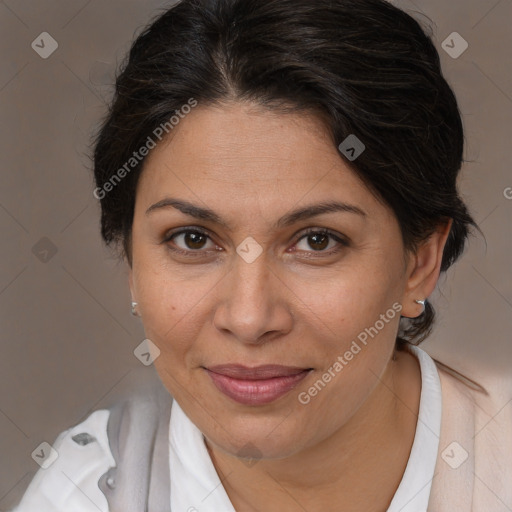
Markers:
{"x": 134, "y": 305}
{"x": 422, "y": 302}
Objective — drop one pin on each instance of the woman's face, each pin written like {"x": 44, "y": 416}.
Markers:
{"x": 254, "y": 288}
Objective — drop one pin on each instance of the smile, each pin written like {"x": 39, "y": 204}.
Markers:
{"x": 256, "y": 386}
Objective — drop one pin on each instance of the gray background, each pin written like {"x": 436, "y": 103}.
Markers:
{"x": 67, "y": 337}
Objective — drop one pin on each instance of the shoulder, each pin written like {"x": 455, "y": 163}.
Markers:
{"x": 106, "y": 459}
{"x": 70, "y": 469}
{"x": 475, "y": 451}
{"x": 486, "y": 391}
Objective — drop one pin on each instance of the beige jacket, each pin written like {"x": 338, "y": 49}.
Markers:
{"x": 474, "y": 466}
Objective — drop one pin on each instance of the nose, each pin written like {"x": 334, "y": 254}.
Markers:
{"x": 253, "y": 303}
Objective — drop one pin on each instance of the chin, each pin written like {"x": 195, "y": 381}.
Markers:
{"x": 257, "y": 441}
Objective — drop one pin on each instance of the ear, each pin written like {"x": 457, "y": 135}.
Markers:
{"x": 130, "y": 279}
{"x": 423, "y": 270}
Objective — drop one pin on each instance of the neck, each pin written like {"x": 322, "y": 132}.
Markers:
{"x": 360, "y": 465}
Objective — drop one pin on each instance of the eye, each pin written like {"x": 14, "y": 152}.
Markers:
{"x": 318, "y": 240}
{"x": 189, "y": 241}
{"x": 193, "y": 242}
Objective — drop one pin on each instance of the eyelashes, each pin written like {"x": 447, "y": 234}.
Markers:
{"x": 196, "y": 235}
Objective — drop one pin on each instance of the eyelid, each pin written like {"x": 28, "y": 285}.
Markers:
{"x": 338, "y": 237}
{"x": 325, "y": 231}
{"x": 184, "y": 230}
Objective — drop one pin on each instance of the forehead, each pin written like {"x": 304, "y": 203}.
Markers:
{"x": 237, "y": 153}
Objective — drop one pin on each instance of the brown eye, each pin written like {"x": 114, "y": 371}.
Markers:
{"x": 194, "y": 240}
{"x": 318, "y": 241}
{"x": 188, "y": 242}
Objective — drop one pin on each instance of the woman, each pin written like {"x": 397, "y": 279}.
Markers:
{"x": 280, "y": 176}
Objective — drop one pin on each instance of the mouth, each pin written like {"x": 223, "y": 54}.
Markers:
{"x": 258, "y": 385}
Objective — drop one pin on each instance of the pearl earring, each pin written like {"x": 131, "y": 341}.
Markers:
{"x": 134, "y": 305}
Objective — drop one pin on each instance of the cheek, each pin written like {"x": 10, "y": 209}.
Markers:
{"x": 166, "y": 291}
{"x": 347, "y": 302}
{"x": 351, "y": 371}
{"x": 358, "y": 329}
{"x": 168, "y": 306}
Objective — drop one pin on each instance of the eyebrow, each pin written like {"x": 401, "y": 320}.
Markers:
{"x": 290, "y": 218}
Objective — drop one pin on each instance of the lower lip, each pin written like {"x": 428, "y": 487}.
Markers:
{"x": 256, "y": 392}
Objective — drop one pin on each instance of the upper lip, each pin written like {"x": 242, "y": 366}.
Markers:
{"x": 267, "y": 371}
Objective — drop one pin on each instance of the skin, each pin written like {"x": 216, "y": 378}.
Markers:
{"x": 294, "y": 305}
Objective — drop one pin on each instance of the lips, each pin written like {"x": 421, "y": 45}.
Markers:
{"x": 258, "y": 385}
{"x": 268, "y": 371}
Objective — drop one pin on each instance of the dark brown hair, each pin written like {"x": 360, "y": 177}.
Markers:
{"x": 364, "y": 67}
